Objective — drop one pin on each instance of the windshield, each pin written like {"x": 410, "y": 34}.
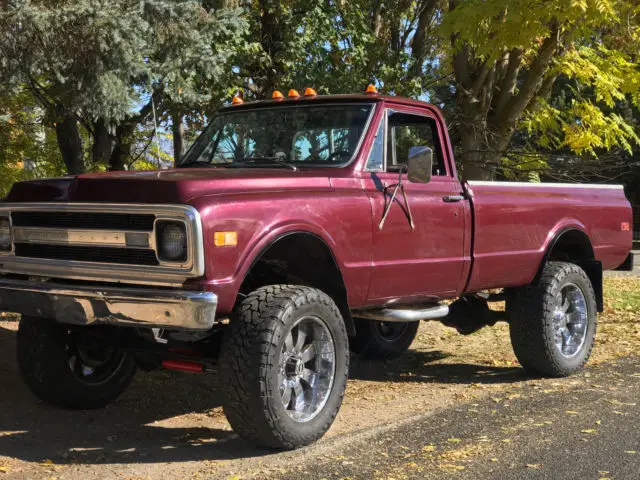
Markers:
{"x": 284, "y": 136}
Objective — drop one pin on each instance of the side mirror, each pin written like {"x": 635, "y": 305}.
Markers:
{"x": 420, "y": 164}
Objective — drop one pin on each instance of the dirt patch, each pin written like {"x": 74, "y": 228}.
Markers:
{"x": 170, "y": 425}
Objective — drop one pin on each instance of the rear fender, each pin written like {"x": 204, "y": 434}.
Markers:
{"x": 574, "y": 245}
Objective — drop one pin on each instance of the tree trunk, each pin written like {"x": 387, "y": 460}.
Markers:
{"x": 122, "y": 150}
{"x": 419, "y": 42}
{"x": 272, "y": 40}
{"x": 481, "y": 154}
{"x": 124, "y": 136}
{"x": 178, "y": 136}
{"x": 103, "y": 142}
{"x": 69, "y": 142}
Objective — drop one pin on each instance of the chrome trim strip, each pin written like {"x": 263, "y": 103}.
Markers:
{"x": 73, "y": 236}
{"x": 547, "y": 185}
{"x": 384, "y": 123}
{"x": 128, "y": 307}
{"x": 167, "y": 273}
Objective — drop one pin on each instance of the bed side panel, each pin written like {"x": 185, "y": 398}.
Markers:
{"x": 515, "y": 223}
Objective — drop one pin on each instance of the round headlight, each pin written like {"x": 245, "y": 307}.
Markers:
{"x": 5, "y": 234}
{"x": 173, "y": 242}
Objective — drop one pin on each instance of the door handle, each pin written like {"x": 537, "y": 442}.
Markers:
{"x": 453, "y": 198}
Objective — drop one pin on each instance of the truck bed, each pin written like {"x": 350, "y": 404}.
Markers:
{"x": 514, "y": 224}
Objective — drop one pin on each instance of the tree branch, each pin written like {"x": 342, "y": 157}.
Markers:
{"x": 146, "y": 110}
{"x": 505, "y": 120}
{"x": 419, "y": 41}
{"x": 478, "y": 82}
{"x": 544, "y": 91}
{"x": 376, "y": 19}
{"x": 508, "y": 86}
{"x": 461, "y": 66}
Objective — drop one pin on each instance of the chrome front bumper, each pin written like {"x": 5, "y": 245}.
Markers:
{"x": 130, "y": 307}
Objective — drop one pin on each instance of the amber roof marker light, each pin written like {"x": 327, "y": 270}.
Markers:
{"x": 310, "y": 92}
{"x": 277, "y": 95}
{"x": 293, "y": 94}
{"x": 371, "y": 89}
{"x": 237, "y": 100}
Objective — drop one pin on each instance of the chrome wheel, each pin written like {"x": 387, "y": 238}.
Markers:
{"x": 307, "y": 368}
{"x": 93, "y": 365}
{"x": 570, "y": 320}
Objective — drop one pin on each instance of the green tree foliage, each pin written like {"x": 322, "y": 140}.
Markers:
{"x": 96, "y": 65}
{"x": 506, "y": 57}
{"x": 492, "y": 64}
{"x": 27, "y": 148}
{"x": 515, "y": 77}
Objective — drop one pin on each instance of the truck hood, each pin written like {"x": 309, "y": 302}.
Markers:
{"x": 167, "y": 186}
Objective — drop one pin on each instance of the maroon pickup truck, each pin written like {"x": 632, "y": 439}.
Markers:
{"x": 293, "y": 231}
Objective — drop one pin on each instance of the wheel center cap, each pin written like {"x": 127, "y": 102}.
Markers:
{"x": 294, "y": 367}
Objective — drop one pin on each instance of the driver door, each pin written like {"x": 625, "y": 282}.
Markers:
{"x": 427, "y": 260}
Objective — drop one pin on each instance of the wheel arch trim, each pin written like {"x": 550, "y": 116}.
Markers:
{"x": 258, "y": 251}
{"x": 591, "y": 266}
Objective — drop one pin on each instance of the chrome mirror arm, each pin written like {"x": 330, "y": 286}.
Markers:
{"x": 397, "y": 186}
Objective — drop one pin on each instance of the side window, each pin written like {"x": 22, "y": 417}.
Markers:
{"x": 376, "y": 155}
{"x": 407, "y": 131}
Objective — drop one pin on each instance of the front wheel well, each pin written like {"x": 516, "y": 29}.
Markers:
{"x": 300, "y": 258}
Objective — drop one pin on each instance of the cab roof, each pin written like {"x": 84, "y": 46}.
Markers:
{"x": 346, "y": 98}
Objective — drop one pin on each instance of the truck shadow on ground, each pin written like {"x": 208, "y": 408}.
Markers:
{"x": 417, "y": 366}
{"x": 167, "y": 417}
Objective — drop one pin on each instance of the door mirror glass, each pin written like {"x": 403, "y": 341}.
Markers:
{"x": 420, "y": 163}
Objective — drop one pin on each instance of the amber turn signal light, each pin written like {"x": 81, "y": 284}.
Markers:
{"x": 371, "y": 90}
{"x": 225, "y": 239}
{"x": 277, "y": 95}
{"x": 310, "y": 92}
{"x": 237, "y": 100}
{"x": 293, "y": 93}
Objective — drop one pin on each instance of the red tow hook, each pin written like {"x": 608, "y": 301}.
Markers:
{"x": 180, "y": 366}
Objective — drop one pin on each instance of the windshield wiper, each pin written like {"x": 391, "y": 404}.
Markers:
{"x": 262, "y": 162}
{"x": 204, "y": 163}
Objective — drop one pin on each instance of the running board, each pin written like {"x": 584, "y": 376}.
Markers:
{"x": 407, "y": 314}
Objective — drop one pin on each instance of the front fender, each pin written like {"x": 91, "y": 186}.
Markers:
{"x": 342, "y": 221}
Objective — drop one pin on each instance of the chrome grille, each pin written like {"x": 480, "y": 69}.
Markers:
{"x": 86, "y": 220}
{"x": 107, "y": 242}
{"x": 126, "y": 256}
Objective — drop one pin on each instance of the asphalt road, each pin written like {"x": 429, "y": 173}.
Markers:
{"x": 585, "y": 427}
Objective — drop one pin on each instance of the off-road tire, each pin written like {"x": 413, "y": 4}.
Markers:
{"x": 369, "y": 342}
{"x": 43, "y": 363}
{"x": 249, "y": 364}
{"x": 530, "y": 312}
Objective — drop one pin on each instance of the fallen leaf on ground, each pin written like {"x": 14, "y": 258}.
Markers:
{"x": 448, "y": 466}
{"x": 617, "y": 402}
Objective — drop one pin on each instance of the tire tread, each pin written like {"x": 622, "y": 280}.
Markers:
{"x": 248, "y": 354}
{"x": 530, "y": 312}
